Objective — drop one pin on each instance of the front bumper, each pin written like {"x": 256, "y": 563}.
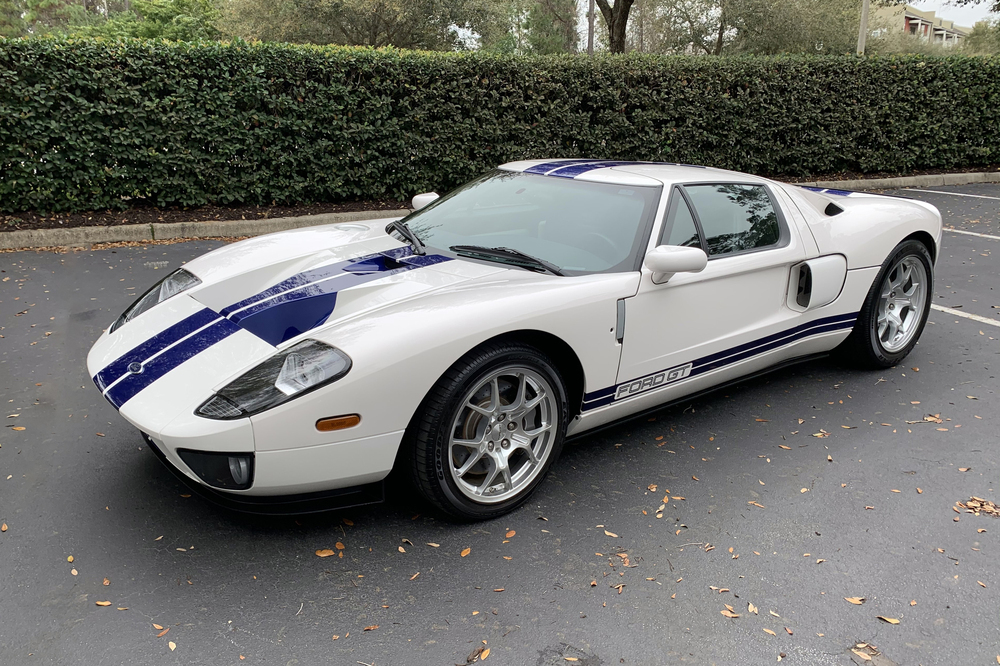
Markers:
{"x": 300, "y": 503}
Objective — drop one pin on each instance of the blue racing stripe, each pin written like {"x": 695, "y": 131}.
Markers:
{"x": 158, "y": 342}
{"x": 575, "y": 170}
{"x": 550, "y": 166}
{"x": 156, "y": 367}
{"x": 733, "y": 355}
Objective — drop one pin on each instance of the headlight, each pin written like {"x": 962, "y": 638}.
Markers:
{"x": 178, "y": 281}
{"x": 288, "y": 374}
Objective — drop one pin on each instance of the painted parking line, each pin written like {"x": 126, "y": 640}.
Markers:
{"x": 972, "y": 233}
{"x": 954, "y": 194}
{"x": 959, "y": 313}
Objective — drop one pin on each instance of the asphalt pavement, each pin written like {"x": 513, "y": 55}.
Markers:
{"x": 784, "y": 496}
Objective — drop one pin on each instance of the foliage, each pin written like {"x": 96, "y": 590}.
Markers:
{"x": 184, "y": 20}
{"x": 92, "y": 124}
{"x": 412, "y": 24}
{"x": 984, "y": 38}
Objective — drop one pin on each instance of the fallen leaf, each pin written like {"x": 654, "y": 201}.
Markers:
{"x": 678, "y": 498}
{"x": 820, "y": 560}
{"x": 782, "y": 446}
{"x": 593, "y": 583}
{"x": 18, "y": 428}
{"x": 414, "y": 576}
{"x": 163, "y": 633}
{"x": 695, "y": 478}
{"x": 611, "y": 534}
{"x": 829, "y": 458}
{"x": 3, "y": 528}
{"x": 326, "y": 552}
{"x": 980, "y": 530}
{"x": 156, "y": 626}
{"x": 485, "y": 654}
{"x": 964, "y": 469}
{"x": 433, "y": 545}
{"x": 890, "y": 620}
{"x": 500, "y": 589}
{"x": 893, "y": 491}
{"x": 510, "y": 534}
{"x": 339, "y": 546}
{"x": 69, "y": 559}
{"x": 466, "y": 552}
{"x": 571, "y": 659}
{"x": 172, "y": 646}
{"x": 862, "y": 655}
{"x": 652, "y": 487}
{"x": 857, "y": 601}
{"x": 789, "y": 631}
{"x": 107, "y": 582}
{"x": 981, "y": 583}
{"x": 336, "y": 637}
{"x": 729, "y": 613}
{"x": 401, "y": 549}
{"x": 73, "y": 572}
{"x": 751, "y": 608}
{"x": 768, "y": 631}
{"x": 371, "y": 627}
{"x": 920, "y": 491}
{"x": 103, "y": 603}
{"x": 773, "y": 613}
{"x": 804, "y": 490}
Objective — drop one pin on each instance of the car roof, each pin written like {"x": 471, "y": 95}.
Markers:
{"x": 621, "y": 172}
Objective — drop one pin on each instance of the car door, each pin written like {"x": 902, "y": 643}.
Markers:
{"x": 718, "y": 323}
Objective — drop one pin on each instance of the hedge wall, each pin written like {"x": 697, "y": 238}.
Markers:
{"x": 93, "y": 124}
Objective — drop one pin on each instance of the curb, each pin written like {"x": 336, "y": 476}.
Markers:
{"x": 87, "y": 236}
{"x": 907, "y": 181}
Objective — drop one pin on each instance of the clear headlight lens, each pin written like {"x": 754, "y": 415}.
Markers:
{"x": 288, "y": 374}
{"x": 178, "y": 281}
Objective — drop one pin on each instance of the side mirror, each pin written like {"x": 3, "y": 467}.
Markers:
{"x": 665, "y": 260}
{"x": 422, "y": 200}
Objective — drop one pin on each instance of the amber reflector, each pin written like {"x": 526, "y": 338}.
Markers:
{"x": 338, "y": 422}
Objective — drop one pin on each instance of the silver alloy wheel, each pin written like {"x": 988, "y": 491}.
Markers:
{"x": 902, "y": 298}
{"x": 502, "y": 434}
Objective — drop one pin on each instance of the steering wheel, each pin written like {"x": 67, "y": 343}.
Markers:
{"x": 604, "y": 247}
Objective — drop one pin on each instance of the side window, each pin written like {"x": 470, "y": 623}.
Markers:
{"x": 679, "y": 228}
{"x": 734, "y": 217}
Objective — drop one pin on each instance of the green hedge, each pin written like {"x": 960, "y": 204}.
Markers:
{"x": 93, "y": 124}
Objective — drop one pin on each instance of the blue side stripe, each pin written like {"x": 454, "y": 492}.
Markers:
{"x": 153, "y": 369}
{"x": 157, "y": 343}
{"x": 606, "y": 396}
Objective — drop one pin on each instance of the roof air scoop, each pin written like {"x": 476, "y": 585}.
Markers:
{"x": 833, "y": 209}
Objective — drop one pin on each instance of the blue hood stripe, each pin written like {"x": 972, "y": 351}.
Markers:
{"x": 290, "y": 308}
{"x": 156, "y": 367}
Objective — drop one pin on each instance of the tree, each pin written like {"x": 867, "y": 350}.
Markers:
{"x": 413, "y": 24}
{"x": 616, "y": 18}
{"x": 11, "y": 18}
{"x": 180, "y": 20}
{"x": 551, "y": 26}
{"x": 984, "y": 39}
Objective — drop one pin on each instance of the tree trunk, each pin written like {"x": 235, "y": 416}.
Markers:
{"x": 617, "y": 19}
{"x": 722, "y": 30}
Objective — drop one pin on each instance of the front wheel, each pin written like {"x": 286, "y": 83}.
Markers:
{"x": 895, "y": 311}
{"x": 489, "y": 430}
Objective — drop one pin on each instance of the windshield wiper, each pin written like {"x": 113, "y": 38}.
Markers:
{"x": 404, "y": 230}
{"x": 506, "y": 255}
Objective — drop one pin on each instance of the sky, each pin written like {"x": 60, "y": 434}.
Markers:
{"x": 964, "y": 16}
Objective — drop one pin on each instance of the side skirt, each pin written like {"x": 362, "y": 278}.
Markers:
{"x": 698, "y": 394}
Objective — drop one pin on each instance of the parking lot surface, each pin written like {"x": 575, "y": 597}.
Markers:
{"x": 784, "y": 497}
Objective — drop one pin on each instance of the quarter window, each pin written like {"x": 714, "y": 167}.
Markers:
{"x": 680, "y": 228}
{"x": 735, "y": 218}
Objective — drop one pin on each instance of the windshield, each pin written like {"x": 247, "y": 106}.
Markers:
{"x": 580, "y": 227}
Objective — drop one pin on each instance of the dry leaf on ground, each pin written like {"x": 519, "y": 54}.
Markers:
{"x": 325, "y": 552}
{"x": 103, "y": 603}
{"x": 768, "y": 631}
{"x": 857, "y": 601}
{"x": 172, "y": 646}
{"x": 466, "y": 552}
{"x": 890, "y": 620}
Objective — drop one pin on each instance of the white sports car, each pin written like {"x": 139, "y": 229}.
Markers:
{"x": 462, "y": 344}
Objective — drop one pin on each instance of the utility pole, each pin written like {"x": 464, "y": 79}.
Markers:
{"x": 863, "y": 30}
{"x": 590, "y": 29}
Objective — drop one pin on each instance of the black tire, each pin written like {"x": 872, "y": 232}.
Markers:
{"x": 863, "y": 347}
{"x": 427, "y": 437}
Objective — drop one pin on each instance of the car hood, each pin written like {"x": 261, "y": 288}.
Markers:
{"x": 260, "y": 294}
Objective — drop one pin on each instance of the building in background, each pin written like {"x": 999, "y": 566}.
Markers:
{"x": 923, "y": 24}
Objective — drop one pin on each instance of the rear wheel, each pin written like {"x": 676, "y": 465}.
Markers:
{"x": 487, "y": 433}
{"x": 895, "y": 311}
